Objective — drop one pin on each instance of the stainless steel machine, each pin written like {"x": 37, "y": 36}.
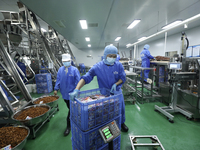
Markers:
{"x": 184, "y": 89}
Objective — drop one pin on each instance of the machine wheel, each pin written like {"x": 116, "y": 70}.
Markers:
{"x": 33, "y": 138}
{"x": 171, "y": 121}
{"x": 156, "y": 110}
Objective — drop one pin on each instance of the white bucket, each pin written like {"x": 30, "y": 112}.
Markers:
{"x": 34, "y": 90}
{"x": 130, "y": 69}
{"x": 29, "y": 88}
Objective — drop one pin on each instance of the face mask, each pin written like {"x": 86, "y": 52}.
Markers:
{"x": 111, "y": 60}
{"x": 66, "y": 64}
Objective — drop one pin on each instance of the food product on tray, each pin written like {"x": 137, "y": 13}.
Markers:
{"x": 91, "y": 98}
{"x": 31, "y": 112}
{"x": 12, "y": 135}
{"x": 158, "y": 58}
{"x": 46, "y": 100}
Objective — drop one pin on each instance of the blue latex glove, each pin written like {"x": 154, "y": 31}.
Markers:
{"x": 113, "y": 89}
{"x": 74, "y": 94}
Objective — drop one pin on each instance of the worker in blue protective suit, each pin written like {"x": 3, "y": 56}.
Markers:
{"x": 146, "y": 56}
{"x": 83, "y": 68}
{"x": 118, "y": 57}
{"x": 67, "y": 78}
{"x": 110, "y": 74}
{"x": 22, "y": 66}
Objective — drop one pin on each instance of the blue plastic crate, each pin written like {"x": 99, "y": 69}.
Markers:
{"x": 90, "y": 139}
{"x": 161, "y": 79}
{"x": 43, "y": 77}
{"x": 44, "y": 90}
{"x": 92, "y": 114}
{"x": 162, "y": 70}
{"x": 104, "y": 147}
{"x": 44, "y": 84}
{"x": 117, "y": 143}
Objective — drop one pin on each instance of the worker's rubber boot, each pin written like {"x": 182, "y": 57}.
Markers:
{"x": 124, "y": 127}
{"x": 67, "y": 131}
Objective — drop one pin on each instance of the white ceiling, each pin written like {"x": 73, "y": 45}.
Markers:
{"x": 112, "y": 16}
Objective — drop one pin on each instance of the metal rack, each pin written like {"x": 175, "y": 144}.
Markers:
{"x": 154, "y": 142}
{"x": 128, "y": 90}
{"x": 139, "y": 85}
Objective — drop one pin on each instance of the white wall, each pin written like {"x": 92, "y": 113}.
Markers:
{"x": 173, "y": 43}
{"x": 81, "y": 55}
{"x": 157, "y": 47}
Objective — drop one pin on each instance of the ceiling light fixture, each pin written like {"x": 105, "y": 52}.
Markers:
{"x": 128, "y": 44}
{"x": 87, "y": 39}
{"x": 43, "y": 30}
{"x": 142, "y": 38}
{"x": 89, "y": 45}
{"x": 185, "y": 25}
{"x": 83, "y": 24}
{"x": 172, "y": 24}
{"x": 133, "y": 24}
{"x": 118, "y": 38}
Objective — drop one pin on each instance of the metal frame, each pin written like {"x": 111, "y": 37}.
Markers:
{"x": 129, "y": 90}
{"x": 172, "y": 108}
{"x": 149, "y": 87}
{"x": 35, "y": 128}
{"x": 154, "y": 138}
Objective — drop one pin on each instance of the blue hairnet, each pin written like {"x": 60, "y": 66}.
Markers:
{"x": 110, "y": 49}
{"x": 146, "y": 46}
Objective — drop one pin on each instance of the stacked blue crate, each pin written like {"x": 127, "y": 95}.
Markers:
{"x": 44, "y": 83}
{"x": 92, "y": 138}
{"x": 162, "y": 74}
{"x": 88, "y": 117}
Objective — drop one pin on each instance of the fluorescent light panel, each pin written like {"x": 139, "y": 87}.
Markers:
{"x": 142, "y": 38}
{"x": 118, "y": 38}
{"x": 83, "y": 24}
{"x": 89, "y": 45}
{"x": 128, "y": 44}
{"x": 43, "y": 30}
{"x": 172, "y": 24}
{"x": 87, "y": 39}
{"x": 133, "y": 24}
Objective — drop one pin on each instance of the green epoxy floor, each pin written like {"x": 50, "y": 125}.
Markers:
{"x": 141, "y": 120}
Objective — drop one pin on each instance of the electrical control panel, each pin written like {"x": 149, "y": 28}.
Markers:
{"x": 110, "y": 131}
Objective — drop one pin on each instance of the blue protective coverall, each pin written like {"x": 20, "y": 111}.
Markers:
{"x": 82, "y": 68}
{"x": 22, "y": 66}
{"x": 118, "y": 57}
{"x": 106, "y": 77}
{"x": 145, "y": 56}
{"x": 67, "y": 82}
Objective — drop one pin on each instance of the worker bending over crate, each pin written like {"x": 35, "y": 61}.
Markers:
{"x": 110, "y": 74}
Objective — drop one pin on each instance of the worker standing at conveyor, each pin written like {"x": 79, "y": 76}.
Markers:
{"x": 146, "y": 56}
{"x": 110, "y": 75}
{"x": 21, "y": 65}
{"x": 67, "y": 78}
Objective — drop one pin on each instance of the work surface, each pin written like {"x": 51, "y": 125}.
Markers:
{"x": 160, "y": 62}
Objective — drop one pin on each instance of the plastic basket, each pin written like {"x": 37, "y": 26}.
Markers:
{"x": 45, "y": 84}
{"x": 90, "y": 139}
{"x": 92, "y": 114}
{"x": 47, "y": 89}
{"x": 117, "y": 143}
{"x": 105, "y": 147}
{"x": 42, "y": 77}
